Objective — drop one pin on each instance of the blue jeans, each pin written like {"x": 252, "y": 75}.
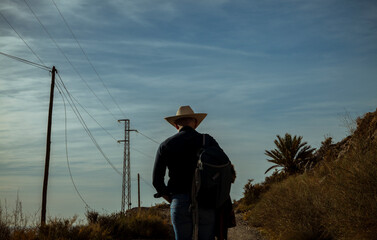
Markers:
{"x": 181, "y": 218}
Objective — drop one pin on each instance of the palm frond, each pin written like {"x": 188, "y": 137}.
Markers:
{"x": 275, "y": 166}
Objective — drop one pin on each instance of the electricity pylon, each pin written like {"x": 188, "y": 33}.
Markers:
{"x": 126, "y": 180}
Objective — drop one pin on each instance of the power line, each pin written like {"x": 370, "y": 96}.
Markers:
{"x": 87, "y": 58}
{"x": 112, "y": 136}
{"x": 27, "y": 61}
{"x": 74, "y": 68}
{"x": 81, "y": 120}
{"x": 40, "y": 60}
{"x": 86, "y": 83}
{"x": 61, "y": 91}
{"x": 133, "y": 148}
{"x": 149, "y": 184}
{"x": 142, "y": 153}
{"x": 64, "y": 94}
{"x": 94, "y": 69}
{"x": 148, "y": 137}
{"x": 66, "y": 146}
{"x": 93, "y": 118}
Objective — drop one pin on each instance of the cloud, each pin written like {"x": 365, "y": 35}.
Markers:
{"x": 140, "y": 11}
{"x": 257, "y": 68}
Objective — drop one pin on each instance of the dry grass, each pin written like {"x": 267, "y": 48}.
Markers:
{"x": 136, "y": 224}
{"x": 336, "y": 201}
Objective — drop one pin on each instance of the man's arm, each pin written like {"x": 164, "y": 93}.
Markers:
{"x": 159, "y": 171}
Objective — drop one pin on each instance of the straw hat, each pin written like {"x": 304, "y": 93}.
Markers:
{"x": 186, "y": 112}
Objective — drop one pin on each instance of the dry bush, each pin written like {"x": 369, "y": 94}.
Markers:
{"x": 136, "y": 224}
{"x": 254, "y": 192}
{"x": 336, "y": 201}
{"x": 59, "y": 229}
{"x": 4, "y": 231}
{"x": 288, "y": 211}
{"x": 147, "y": 225}
{"x": 14, "y": 223}
{"x": 25, "y": 234}
{"x": 93, "y": 232}
{"x": 143, "y": 223}
{"x": 352, "y": 196}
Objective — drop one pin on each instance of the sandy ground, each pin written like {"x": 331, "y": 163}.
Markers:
{"x": 242, "y": 231}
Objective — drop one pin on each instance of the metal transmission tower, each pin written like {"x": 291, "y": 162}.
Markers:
{"x": 126, "y": 181}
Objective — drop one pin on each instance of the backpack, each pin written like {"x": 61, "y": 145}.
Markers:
{"x": 213, "y": 177}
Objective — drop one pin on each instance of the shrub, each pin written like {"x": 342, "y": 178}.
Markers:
{"x": 93, "y": 232}
{"x": 286, "y": 211}
{"x": 351, "y": 196}
{"x": 143, "y": 223}
{"x": 4, "y": 230}
{"x": 147, "y": 225}
{"x": 24, "y": 234}
{"x": 136, "y": 224}
{"x": 59, "y": 229}
{"x": 336, "y": 201}
{"x": 92, "y": 216}
{"x": 253, "y": 192}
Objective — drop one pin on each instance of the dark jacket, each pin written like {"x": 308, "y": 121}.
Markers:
{"x": 178, "y": 154}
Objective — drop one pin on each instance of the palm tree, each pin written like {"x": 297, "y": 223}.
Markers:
{"x": 291, "y": 154}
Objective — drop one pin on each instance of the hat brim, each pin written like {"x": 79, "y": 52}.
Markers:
{"x": 198, "y": 116}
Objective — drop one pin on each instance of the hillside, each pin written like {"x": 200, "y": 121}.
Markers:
{"x": 334, "y": 200}
{"x": 363, "y": 138}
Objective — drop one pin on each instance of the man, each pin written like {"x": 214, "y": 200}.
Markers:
{"x": 179, "y": 155}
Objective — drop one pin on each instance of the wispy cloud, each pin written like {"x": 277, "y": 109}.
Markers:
{"x": 257, "y": 68}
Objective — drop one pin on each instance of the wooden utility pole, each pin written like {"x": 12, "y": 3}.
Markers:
{"x": 48, "y": 144}
{"x": 138, "y": 190}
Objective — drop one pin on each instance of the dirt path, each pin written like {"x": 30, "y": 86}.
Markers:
{"x": 242, "y": 231}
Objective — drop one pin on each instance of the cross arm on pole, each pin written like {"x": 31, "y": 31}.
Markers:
{"x": 131, "y": 130}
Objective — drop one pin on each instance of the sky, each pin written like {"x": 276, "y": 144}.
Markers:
{"x": 257, "y": 68}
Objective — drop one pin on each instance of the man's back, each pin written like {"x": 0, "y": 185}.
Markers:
{"x": 179, "y": 154}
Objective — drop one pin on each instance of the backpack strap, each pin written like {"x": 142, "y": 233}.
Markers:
{"x": 194, "y": 193}
{"x": 194, "y": 204}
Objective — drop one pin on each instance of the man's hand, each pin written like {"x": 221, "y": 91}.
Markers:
{"x": 167, "y": 198}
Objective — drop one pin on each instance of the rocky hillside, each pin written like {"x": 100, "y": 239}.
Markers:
{"x": 362, "y": 138}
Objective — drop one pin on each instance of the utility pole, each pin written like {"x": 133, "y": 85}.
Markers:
{"x": 138, "y": 190}
{"x": 126, "y": 180}
{"x": 48, "y": 144}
